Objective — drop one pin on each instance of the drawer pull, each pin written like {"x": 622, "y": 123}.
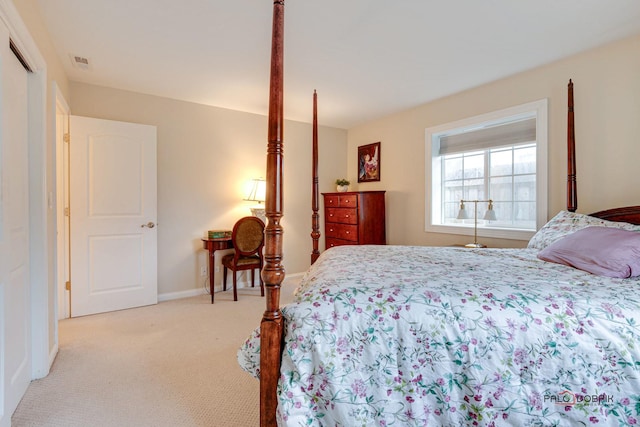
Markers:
{"x": 346, "y": 216}
{"x": 348, "y": 232}
{"x": 331, "y": 229}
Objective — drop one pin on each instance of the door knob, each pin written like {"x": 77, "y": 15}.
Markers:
{"x": 149, "y": 224}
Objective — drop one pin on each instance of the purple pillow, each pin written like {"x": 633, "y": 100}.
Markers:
{"x": 603, "y": 251}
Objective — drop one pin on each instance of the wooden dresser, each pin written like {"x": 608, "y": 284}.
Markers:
{"x": 354, "y": 218}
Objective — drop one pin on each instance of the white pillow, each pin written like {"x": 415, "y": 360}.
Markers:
{"x": 565, "y": 223}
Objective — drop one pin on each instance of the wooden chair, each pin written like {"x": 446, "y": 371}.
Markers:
{"x": 248, "y": 241}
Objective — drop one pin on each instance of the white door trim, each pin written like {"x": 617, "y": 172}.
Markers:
{"x": 62, "y": 196}
{"x": 40, "y": 234}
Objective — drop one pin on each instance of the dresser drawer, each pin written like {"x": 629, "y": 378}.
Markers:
{"x": 330, "y": 242}
{"x": 342, "y": 215}
{"x": 342, "y": 231}
{"x": 348, "y": 201}
{"x": 354, "y": 218}
{"x": 341, "y": 201}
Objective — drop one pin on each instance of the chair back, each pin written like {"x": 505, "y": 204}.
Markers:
{"x": 248, "y": 236}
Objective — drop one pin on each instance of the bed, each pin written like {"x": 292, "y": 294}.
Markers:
{"x": 382, "y": 335}
{"x": 403, "y": 336}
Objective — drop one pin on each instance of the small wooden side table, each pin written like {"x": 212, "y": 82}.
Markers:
{"x": 213, "y": 245}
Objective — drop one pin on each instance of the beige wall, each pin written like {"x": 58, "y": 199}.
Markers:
{"x": 206, "y": 155}
{"x": 607, "y": 114}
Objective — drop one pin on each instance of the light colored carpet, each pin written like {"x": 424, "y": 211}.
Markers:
{"x": 170, "y": 364}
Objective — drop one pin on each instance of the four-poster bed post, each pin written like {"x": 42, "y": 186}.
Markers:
{"x": 315, "y": 217}
{"x": 572, "y": 194}
{"x": 273, "y": 273}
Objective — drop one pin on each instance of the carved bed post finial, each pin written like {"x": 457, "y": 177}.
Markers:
{"x": 271, "y": 327}
{"x": 315, "y": 217}
{"x": 572, "y": 191}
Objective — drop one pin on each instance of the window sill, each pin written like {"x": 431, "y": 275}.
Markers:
{"x": 497, "y": 233}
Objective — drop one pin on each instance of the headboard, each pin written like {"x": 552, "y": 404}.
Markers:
{"x": 630, "y": 214}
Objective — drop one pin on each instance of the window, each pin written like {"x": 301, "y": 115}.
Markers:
{"x": 500, "y": 156}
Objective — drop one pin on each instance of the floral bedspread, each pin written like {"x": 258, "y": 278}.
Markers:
{"x": 417, "y": 336}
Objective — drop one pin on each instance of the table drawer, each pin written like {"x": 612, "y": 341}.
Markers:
{"x": 341, "y": 201}
{"x": 330, "y": 243}
{"x": 342, "y": 215}
{"x": 342, "y": 231}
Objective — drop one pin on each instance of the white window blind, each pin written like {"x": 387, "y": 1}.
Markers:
{"x": 504, "y": 134}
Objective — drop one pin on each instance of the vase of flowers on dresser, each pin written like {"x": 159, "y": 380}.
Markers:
{"x": 342, "y": 185}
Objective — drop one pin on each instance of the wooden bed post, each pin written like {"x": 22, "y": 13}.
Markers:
{"x": 572, "y": 192}
{"x": 315, "y": 217}
{"x": 271, "y": 327}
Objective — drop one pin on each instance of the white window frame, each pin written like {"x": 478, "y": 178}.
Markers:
{"x": 433, "y": 187}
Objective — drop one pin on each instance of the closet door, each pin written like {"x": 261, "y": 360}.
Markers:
{"x": 15, "y": 298}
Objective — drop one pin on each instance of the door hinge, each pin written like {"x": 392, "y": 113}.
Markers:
{"x": 66, "y": 137}
{"x": 67, "y": 285}
{"x": 66, "y": 212}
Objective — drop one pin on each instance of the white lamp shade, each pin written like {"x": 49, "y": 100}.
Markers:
{"x": 462, "y": 213}
{"x": 490, "y": 214}
{"x": 257, "y": 191}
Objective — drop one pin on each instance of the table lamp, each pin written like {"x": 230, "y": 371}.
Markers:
{"x": 490, "y": 215}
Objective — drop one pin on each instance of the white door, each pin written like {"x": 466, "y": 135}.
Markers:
{"x": 15, "y": 298}
{"x": 113, "y": 215}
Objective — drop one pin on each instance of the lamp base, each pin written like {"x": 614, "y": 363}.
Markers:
{"x": 475, "y": 245}
{"x": 260, "y": 213}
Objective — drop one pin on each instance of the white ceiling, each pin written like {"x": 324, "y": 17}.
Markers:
{"x": 366, "y": 58}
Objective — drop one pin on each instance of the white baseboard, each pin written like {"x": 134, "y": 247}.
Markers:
{"x": 52, "y": 355}
{"x": 182, "y": 294}
{"x": 167, "y": 296}
{"x": 293, "y": 276}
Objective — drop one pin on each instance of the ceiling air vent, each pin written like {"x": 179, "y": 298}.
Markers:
{"x": 80, "y": 62}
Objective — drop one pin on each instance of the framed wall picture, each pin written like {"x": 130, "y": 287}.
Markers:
{"x": 369, "y": 162}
